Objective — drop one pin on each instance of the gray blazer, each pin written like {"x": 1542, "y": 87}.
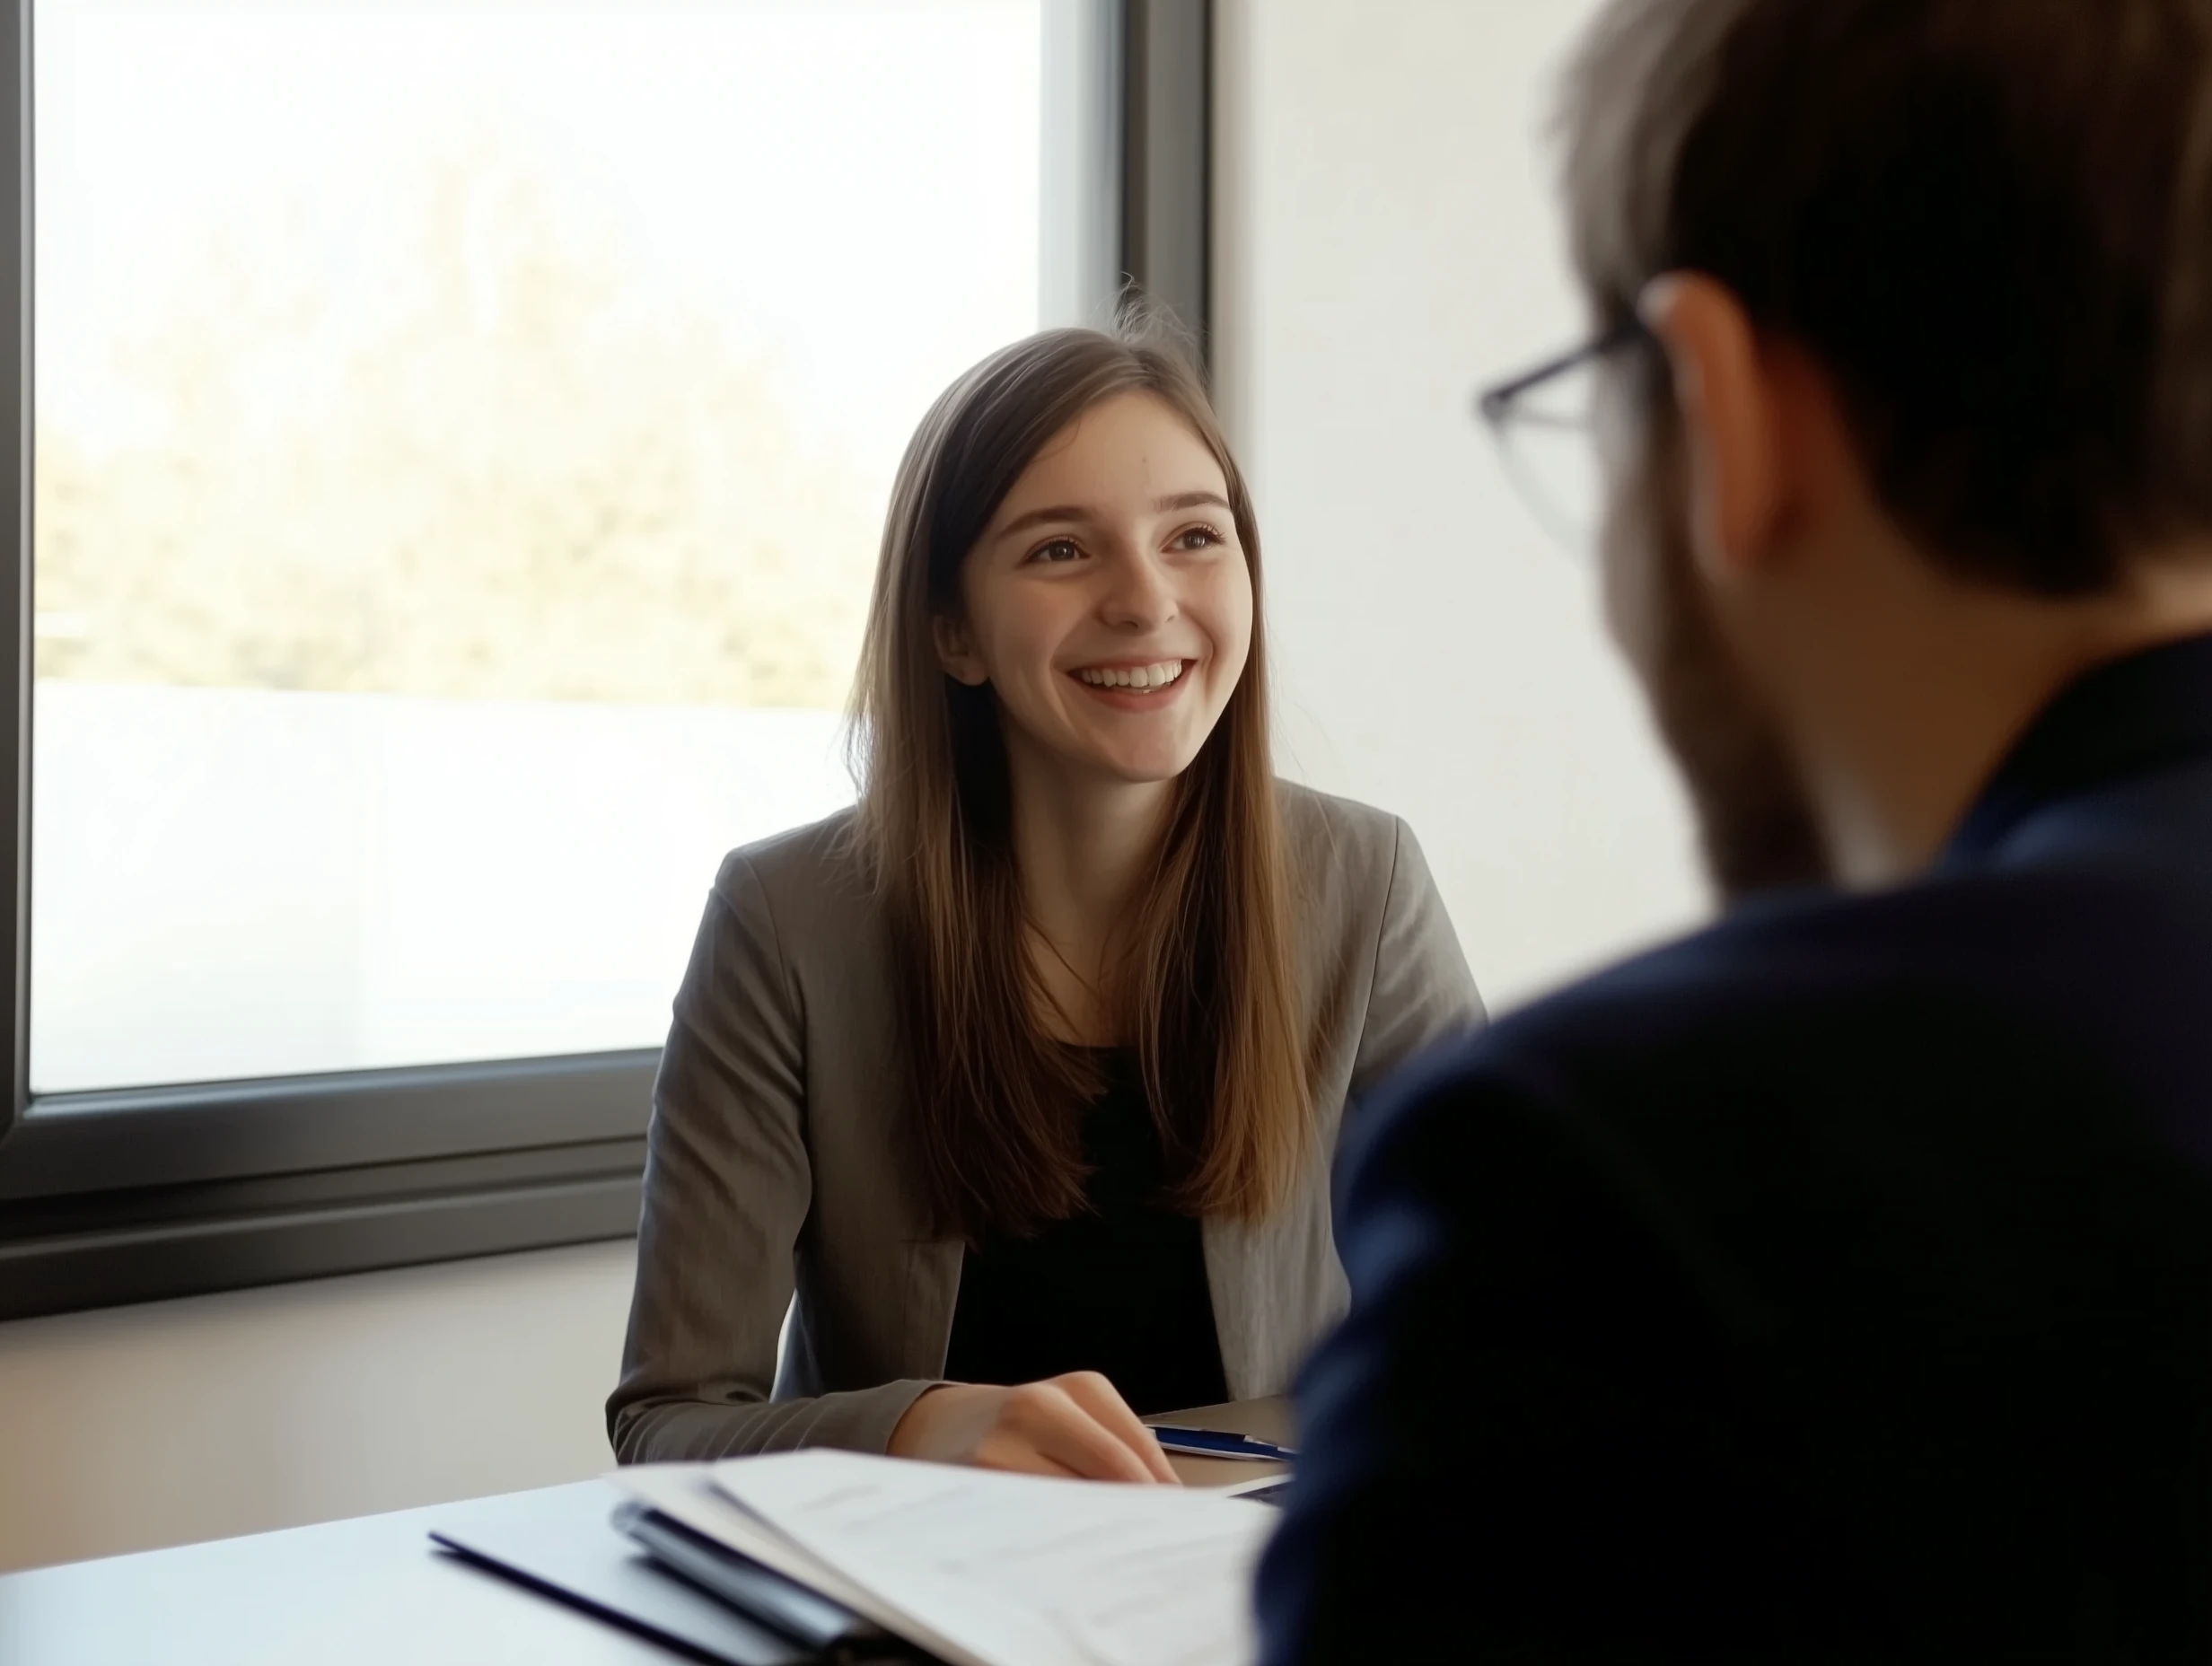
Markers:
{"x": 771, "y": 1165}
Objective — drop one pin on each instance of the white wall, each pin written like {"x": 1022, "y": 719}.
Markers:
{"x": 143, "y": 1427}
{"x": 1386, "y": 243}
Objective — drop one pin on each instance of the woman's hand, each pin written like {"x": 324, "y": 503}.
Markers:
{"x": 1072, "y": 1425}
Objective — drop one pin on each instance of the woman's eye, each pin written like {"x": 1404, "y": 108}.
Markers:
{"x": 1060, "y": 550}
{"x": 1197, "y": 538}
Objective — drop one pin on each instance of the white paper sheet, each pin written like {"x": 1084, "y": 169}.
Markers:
{"x": 1002, "y": 1570}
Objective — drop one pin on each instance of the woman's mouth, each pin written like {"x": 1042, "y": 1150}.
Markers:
{"x": 1135, "y": 679}
{"x": 1151, "y": 687}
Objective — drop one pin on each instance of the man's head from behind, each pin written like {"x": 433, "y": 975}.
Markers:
{"x": 1932, "y": 428}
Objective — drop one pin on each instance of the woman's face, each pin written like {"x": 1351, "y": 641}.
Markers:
{"x": 1109, "y": 605}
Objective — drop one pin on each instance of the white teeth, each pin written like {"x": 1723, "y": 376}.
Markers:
{"x": 1138, "y": 677}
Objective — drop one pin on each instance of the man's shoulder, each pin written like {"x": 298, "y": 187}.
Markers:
{"x": 1828, "y": 984}
{"x": 1998, "y": 1036}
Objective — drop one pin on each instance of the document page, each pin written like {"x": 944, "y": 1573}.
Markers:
{"x": 1006, "y": 1570}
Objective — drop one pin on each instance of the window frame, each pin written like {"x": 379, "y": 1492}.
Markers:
{"x": 138, "y": 1194}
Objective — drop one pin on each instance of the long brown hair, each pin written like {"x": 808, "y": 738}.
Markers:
{"x": 1206, "y": 989}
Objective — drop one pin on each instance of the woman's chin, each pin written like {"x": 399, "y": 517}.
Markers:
{"x": 1146, "y": 768}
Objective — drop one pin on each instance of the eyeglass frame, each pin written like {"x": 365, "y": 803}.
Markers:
{"x": 1499, "y": 404}
{"x": 1495, "y": 404}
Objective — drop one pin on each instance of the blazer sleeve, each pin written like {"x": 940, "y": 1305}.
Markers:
{"x": 727, "y": 1188}
{"x": 1421, "y": 990}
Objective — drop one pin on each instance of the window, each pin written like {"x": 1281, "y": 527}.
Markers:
{"x": 458, "y": 437}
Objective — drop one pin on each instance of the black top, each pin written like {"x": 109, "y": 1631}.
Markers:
{"x": 1834, "y": 1285}
{"x": 1119, "y": 1290}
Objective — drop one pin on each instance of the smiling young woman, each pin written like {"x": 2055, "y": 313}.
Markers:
{"x": 1022, "y": 1076}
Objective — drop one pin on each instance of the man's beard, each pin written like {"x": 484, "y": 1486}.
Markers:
{"x": 1755, "y": 823}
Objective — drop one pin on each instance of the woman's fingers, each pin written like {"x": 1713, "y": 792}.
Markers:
{"x": 1072, "y": 1425}
{"x": 1016, "y": 1455}
{"x": 1099, "y": 1397}
{"x": 1063, "y": 1428}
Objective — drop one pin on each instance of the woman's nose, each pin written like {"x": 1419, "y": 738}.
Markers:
{"x": 1139, "y": 596}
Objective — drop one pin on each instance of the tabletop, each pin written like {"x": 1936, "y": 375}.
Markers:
{"x": 374, "y": 1589}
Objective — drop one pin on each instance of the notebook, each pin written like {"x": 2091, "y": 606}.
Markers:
{"x": 574, "y": 1553}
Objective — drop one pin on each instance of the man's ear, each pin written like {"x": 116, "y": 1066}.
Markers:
{"x": 955, "y": 653}
{"x": 1732, "y": 420}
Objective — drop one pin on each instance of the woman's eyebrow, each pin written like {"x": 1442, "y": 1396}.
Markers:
{"x": 1064, "y": 515}
{"x": 1060, "y": 513}
{"x": 1188, "y": 500}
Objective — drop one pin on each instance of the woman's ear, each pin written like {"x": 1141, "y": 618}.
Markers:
{"x": 955, "y": 653}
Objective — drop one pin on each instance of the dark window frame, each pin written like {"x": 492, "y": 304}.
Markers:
{"x": 140, "y": 1194}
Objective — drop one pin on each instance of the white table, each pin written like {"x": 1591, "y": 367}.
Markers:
{"x": 374, "y": 1589}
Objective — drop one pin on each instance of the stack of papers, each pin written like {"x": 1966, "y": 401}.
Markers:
{"x": 985, "y": 1569}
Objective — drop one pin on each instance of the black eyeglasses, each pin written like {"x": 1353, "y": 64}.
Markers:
{"x": 1545, "y": 423}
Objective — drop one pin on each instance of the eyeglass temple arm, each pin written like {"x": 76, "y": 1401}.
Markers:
{"x": 1495, "y": 402}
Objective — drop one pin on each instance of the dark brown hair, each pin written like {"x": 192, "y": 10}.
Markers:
{"x": 1989, "y": 221}
{"x": 1207, "y": 987}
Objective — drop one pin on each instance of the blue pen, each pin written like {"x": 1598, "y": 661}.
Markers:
{"x": 1214, "y": 1443}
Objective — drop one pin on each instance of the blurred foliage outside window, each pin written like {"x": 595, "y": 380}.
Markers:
{"x": 523, "y": 477}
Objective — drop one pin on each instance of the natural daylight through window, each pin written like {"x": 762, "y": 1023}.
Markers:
{"x": 462, "y": 433}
